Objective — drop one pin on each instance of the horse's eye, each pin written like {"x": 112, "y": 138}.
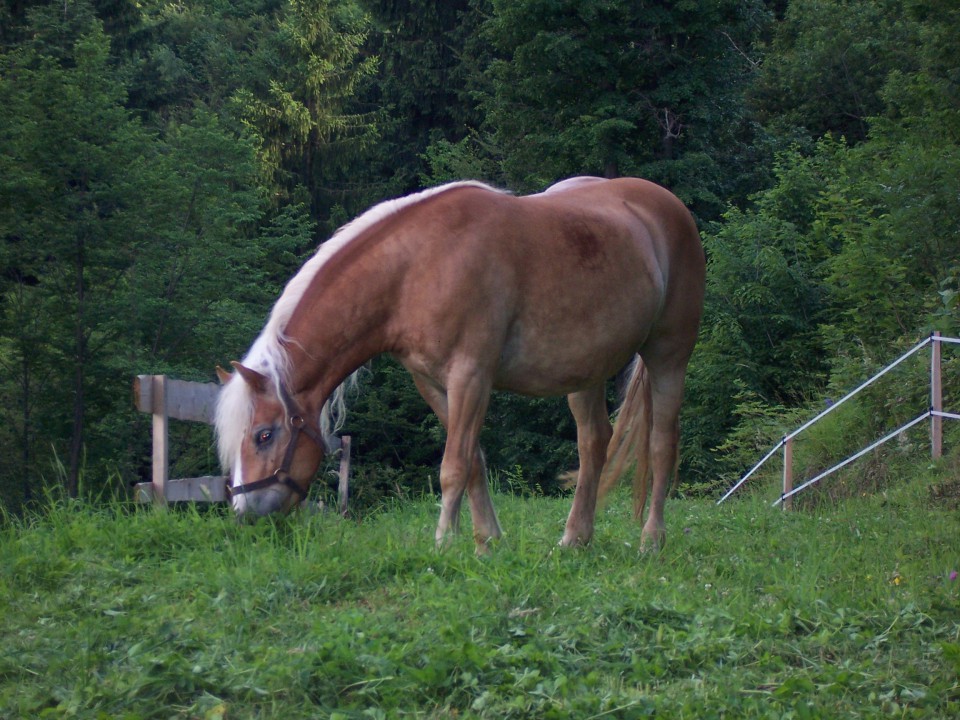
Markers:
{"x": 264, "y": 437}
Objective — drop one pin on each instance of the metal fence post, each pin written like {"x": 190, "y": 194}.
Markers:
{"x": 936, "y": 399}
{"x": 788, "y": 473}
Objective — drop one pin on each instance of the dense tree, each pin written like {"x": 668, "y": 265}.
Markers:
{"x": 893, "y": 210}
{"x": 77, "y": 145}
{"x": 164, "y": 167}
{"x": 298, "y": 103}
{"x": 760, "y": 343}
{"x": 828, "y": 63}
{"x": 621, "y": 88}
{"x": 853, "y": 251}
{"x": 120, "y": 248}
{"x": 419, "y": 85}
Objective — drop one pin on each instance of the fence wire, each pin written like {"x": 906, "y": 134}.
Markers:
{"x": 833, "y": 407}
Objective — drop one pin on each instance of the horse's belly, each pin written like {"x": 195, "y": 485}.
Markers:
{"x": 542, "y": 359}
{"x": 541, "y": 380}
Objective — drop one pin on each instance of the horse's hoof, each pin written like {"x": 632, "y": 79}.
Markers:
{"x": 485, "y": 545}
{"x": 651, "y": 544}
{"x": 573, "y": 541}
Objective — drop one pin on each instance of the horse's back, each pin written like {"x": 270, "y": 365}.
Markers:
{"x": 557, "y": 291}
{"x": 628, "y": 219}
{"x": 572, "y": 183}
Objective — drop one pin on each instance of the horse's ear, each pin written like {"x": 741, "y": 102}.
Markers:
{"x": 256, "y": 381}
{"x": 223, "y": 375}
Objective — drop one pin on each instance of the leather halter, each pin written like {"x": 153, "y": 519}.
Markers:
{"x": 281, "y": 476}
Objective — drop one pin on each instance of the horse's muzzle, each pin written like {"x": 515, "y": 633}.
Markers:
{"x": 276, "y": 499}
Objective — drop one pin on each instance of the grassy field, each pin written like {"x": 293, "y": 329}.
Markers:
{"x": 852, "y": 610}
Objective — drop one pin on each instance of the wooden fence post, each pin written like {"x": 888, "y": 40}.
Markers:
{"x": 788, "y": 472}
{"x": 166, "y": 398}
{"x": 343, "y": 489}
{"x": 161, "y": 438}
{"x": 936, "y": 399}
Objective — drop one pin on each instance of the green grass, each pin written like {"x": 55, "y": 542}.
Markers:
{"x": 748, "y": 612}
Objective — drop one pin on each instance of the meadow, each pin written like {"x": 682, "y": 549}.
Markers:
{"x": 850, "y": 609}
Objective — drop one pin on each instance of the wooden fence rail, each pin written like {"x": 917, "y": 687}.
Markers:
{"x": 166, "y": 398}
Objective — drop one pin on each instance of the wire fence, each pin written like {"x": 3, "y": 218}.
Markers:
{"x": 934, "y": 413}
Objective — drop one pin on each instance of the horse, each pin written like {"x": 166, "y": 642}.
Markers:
{"x": 473, "y": 289}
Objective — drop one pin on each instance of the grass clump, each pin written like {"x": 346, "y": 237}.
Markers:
{"x": 851, "y": 610}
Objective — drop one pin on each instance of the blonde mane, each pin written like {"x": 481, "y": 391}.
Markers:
{"x": 269, "y": 357}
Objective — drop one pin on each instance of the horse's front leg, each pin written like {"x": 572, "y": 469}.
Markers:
{"x": 486, "y": 527}
{"x": 467, "y": 397}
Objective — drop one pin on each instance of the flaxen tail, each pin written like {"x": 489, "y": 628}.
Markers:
{"x": 629, "y": 447}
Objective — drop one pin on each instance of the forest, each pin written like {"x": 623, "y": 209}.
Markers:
{"x": 166, "y": 166}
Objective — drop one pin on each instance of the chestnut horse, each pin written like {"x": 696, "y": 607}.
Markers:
{"x": 473, "y": 290}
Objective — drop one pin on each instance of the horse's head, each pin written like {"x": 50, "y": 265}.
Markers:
{"x": 269, "y": 446}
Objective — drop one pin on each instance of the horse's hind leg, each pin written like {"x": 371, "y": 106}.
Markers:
{"x": 589, "y": 408}
{"x": 666, "y": 394}
{"x": 663, "y": 454}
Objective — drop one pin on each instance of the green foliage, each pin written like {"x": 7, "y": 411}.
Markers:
{"x": 471, "y": 157}
{"x": 421, "y": 86}
{"x": 398, "y": 443}
{"x": 852, "y": 253}
{"x": 828, "y": 63}
{"x": 759, "y": 339}
{"x": 164, "y": 167}
{"x": 536, "y": 435}
{"x": 122, "y": 257}
{"x": 747, "y": 612}
{"x": 617, "y": 88}
{"x": 895, "y": 219}
{"x": 297, "y": 107}
{"x": 65, "y": 248}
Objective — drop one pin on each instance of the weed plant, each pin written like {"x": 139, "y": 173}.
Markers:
{"x": 749, "y": 612}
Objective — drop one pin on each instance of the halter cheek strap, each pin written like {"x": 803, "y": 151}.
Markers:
{"x": 281, "y": 476}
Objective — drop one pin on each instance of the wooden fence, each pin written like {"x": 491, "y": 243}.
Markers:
{"x": 165, "y": 398}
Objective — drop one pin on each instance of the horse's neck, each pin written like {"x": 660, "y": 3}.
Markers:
{"x": 342, "y": 320}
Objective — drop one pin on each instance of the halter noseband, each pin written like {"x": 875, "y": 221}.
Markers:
{"x": 281, "y": 476}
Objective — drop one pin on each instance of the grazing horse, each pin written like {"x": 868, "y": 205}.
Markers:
{"x": 472, "y": 290}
